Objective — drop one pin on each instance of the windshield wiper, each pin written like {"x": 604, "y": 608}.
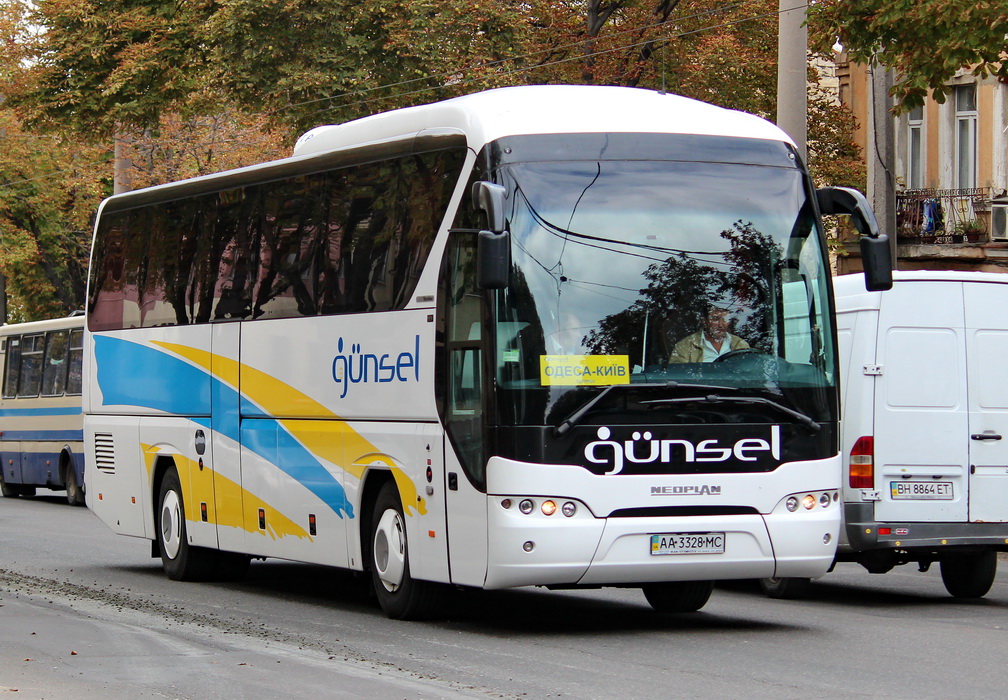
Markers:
{"x": 805, "y": 420}
{"x": 575, "y": 418}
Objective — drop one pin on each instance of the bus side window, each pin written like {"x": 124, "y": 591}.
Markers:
{"x": 54, "y": 371}
{"x": 12, "y": 370}
{"x": 74, "y": 362}
{"x": 32, "y": 349}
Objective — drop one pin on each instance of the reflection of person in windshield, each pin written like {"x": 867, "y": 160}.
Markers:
{"x": 710, "y": 342}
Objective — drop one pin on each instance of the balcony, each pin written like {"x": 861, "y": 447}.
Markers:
{"x": 942, "y": 217}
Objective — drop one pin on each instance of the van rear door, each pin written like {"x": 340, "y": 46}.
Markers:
{"x": 921, "y": 419}
{"x": 987, "y": 353}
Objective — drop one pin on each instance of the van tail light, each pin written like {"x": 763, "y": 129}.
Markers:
{"x": 862, "y": 463}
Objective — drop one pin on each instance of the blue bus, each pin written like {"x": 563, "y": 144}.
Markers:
{"x": 41, "y": 424}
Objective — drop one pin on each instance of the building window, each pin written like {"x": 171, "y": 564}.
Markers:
{"x": 966, "y": 135}
{"x": 915, "y": 148}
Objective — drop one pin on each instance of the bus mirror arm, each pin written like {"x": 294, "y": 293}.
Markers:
{"x": 876, "y": 254}
{"x": 489, "y": 198}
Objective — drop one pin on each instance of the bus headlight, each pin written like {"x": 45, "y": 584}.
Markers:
{"x": 568, "y": 509}
{"x": 791, "y": 504}
{"x": 526, "y": 506}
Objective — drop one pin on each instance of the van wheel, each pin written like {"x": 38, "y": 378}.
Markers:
{"x": 400, "y": 595}
{"x": 785, "y": 588}
{"x": 678, "y": 596}
{"x": 969, "y": 575}
{"x": 181, "y": 561}
{"x": 75, "y": 495}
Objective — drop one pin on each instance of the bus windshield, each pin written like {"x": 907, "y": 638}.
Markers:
{"x": 690, "y": 277}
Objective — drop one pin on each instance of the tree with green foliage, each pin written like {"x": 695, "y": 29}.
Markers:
{"x": 926, "y": 42}
{"x": 49, "y": 187}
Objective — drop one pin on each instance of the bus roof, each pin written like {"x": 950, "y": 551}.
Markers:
{"x": 546, "y": 109}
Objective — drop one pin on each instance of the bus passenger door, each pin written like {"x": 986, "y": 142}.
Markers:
{"x": 463, "y": 388}
{"x": 223, "y": 446}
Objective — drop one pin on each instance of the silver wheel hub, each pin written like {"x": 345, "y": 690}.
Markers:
{"x": 390, "y": 550}
{"x": 171, "y": 524}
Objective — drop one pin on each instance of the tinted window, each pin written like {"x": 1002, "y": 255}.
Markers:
{"x": 73, "y": 383}
{"x": 32, "y": 348}
{"x": 344, "y": 241}
{"x": 54, "y": 370}
{"x": 12, "y": 370}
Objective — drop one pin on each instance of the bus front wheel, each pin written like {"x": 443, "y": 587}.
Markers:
{"x": 400, "y": 595}
{"x": 678, "y": 596}
{"x": 181, "y": 561}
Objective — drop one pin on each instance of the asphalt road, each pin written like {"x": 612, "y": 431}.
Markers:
{"x": 87, "y": 614}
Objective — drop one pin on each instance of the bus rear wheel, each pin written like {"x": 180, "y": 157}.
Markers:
{"x": 400, "y": 595}
{"x": 969, "y": 575}
{"x": 678, "y": 596}
{"x": 181, "y": 561}
{"x": 75, "y": 494}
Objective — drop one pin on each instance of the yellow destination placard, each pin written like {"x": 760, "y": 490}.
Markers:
{"x": 584, "y": 370}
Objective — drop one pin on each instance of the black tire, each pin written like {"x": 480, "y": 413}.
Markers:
{"x": 969, "y": 575}
{"x": 400, "y": 595}
{"x": 785, "y": 588}
{"x": 8, "y": 491}
{"x": 678, "y": 596}
{"x": 181, "y": 561}
{"x": 75, "y": 494}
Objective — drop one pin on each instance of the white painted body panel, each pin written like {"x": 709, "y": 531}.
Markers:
{"x": 922, "y": 371}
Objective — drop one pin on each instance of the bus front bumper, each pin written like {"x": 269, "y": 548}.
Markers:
{"x": 557, "y": 550}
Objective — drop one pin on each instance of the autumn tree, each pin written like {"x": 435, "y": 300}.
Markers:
{"x": 49, "y": 187}
{"x": 925, "y": 41}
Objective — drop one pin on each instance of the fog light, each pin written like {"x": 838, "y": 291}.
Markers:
{"x": 791, "y": 504}
{"x": 528, "y": 546}
{"x": 808, "y": 503}
{"x": 824, "y": 500}
{"x": 506, "y": 503}
{"x": 827, "y": 538}
{"x": 568, "y": 509}
{"x": 526, "y": 506}
{"x": 548, "y": 508}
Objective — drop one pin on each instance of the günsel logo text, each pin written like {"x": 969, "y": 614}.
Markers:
{"x": 644, "y": 448}
{"x": 353, "y": 365}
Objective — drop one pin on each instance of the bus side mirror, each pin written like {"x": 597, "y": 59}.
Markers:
{"x": 876, "y": 255}
{"x": 493, "y": 249}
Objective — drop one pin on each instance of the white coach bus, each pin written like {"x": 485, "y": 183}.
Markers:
{"x": 448, "y": 345}
{"x": 41, "y": 424}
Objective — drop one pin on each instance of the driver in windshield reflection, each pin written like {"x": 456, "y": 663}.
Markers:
{"x": 710, "y": 342}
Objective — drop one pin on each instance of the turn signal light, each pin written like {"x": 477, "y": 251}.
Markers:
{"x": 862, "y": 463}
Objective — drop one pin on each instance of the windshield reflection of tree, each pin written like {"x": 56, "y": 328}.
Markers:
{"x": 682, "y": 288}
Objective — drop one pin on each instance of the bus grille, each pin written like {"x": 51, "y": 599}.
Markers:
{"x": 104, "y": 453}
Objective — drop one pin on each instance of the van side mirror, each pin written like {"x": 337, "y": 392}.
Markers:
{"x": 493, "y": 248}
{"x": 876, "y": 255}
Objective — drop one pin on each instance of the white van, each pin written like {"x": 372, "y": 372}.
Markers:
{"x": 924, "y": 382}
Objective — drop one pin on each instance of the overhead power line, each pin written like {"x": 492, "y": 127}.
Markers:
{"x": 351, "y": 96}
